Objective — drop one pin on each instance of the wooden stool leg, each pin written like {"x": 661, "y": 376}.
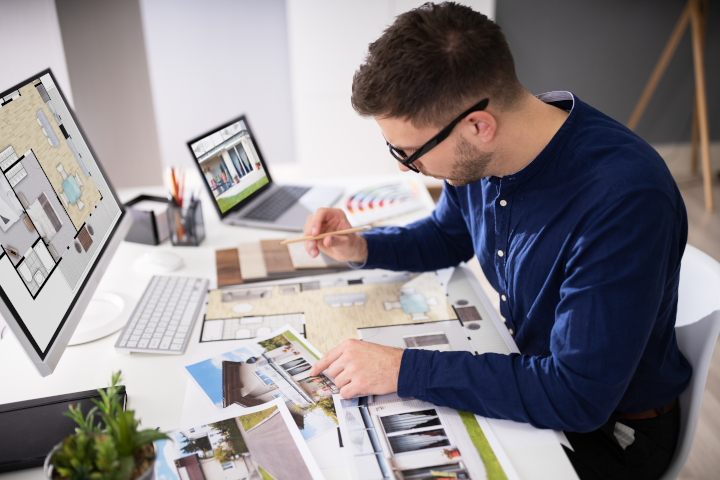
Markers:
{"x": 660, "y": 67}
{"x": 695, "y": 139}
{"x": 696, "y": 19}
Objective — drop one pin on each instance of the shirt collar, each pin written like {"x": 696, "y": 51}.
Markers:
{"x": 561, "y": 99}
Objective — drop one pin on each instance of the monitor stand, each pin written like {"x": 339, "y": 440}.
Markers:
{"x": 106, "y": 314}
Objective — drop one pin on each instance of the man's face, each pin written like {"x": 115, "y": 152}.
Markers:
{"x": 455, "y": 159}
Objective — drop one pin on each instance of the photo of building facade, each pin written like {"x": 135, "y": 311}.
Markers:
{"x": 404, "y": 439}
{"x": 280, "y": 372}
{"x": 229, "y": 160}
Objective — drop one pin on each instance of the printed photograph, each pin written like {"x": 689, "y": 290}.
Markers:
{"x": 265, "y": 370}
{"x": 390, "y": 437}
{"x": 259, "y": 445}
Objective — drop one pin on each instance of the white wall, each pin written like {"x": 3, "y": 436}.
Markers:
{"x": 328, "y": 40}
{"x": 31, "y": 42}
{"x": 213, "y": 60}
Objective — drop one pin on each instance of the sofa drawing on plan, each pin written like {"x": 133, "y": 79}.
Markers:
{"x": 70, "y": 193}
{"x": 44, "y": 219}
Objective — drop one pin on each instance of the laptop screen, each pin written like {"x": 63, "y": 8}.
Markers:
{"x": 231, "y": 164}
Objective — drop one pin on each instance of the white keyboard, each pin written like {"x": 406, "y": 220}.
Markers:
{"x": 164, "y": 317}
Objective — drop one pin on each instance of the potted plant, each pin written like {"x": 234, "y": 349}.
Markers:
{"x": 120, "y": 452}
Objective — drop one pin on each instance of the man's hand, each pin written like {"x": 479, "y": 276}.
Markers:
{"x": 344, "y": 248}
{"x": 361, "y": 368}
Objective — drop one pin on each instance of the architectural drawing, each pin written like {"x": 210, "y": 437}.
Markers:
{"x": 333, "y": 308}
{"x": 55, "y": 207}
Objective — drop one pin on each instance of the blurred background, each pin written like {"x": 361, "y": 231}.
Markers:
{"x": 144, "y": 76}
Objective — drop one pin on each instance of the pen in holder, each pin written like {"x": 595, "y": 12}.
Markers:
{"x": 186, "y": 224}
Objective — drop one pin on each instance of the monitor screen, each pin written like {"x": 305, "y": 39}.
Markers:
{"x": 230, "y": 163}
{"x": 57, "y": 211}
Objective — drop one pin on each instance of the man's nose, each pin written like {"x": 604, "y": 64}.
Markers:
{"x": 403, "y": 168}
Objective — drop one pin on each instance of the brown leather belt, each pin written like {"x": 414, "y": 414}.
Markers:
{"x": 652, "y": 413}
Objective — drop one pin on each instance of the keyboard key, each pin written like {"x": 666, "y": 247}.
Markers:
{"x": 154, "y": 343}
{"x": 134, "y": 338}
{"x": 165, "y": 343}
{"x": 132, "y": 344}
{"x": 178, "y": 340}
{"x": 176, "y": 346}
{"x": 182, "y": 329}
{"x": 146, "y": 335}
{"x": 143, "y": 343}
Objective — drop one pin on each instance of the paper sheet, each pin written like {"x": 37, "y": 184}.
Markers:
{"x": 248, "y": 443}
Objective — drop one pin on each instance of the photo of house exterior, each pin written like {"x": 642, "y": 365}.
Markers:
{"x": 228, "y": 160}
{"x": 281, "y": 372}
{"x": 404, "y": 439}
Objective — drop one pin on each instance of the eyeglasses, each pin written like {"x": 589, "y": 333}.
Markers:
{"x": 407, "y": 162}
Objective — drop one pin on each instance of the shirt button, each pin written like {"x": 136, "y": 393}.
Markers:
{"x": 503, "y": 203}
{"x": 504, "y": 298}
{"x": 511, "y": 331}
{"x": 500, "y": 253}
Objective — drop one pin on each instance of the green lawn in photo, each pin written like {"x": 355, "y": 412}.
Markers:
{"x": 492, "y": 465}
{"x": 293, "y": 338}
{"x": 252, "y": 419}
{"x": 227, "y": 203}
{"x": 265, "y": 475}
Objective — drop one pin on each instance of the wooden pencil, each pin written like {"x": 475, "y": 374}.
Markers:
{"x": 348, "y": 231}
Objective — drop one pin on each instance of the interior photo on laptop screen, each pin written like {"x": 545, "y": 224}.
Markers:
{"x": 230, "y": 164}
{"x": 56, "y": 209}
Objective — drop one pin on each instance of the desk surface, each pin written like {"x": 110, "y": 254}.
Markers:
{"x": 156, "y": 384}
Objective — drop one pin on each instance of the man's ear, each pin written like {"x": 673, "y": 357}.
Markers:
{"x": 482, "y": 125}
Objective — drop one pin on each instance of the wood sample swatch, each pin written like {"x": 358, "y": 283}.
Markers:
{"x": 227, "y": 264}
{"x": 301, "y": 260}
{"x": 252, "y": 263}
{"x": 277, "y": 257}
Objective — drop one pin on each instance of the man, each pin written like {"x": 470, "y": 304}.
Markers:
{"x": 576, "y": 223}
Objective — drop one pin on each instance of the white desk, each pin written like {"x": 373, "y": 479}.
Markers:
{"x": 156, "y": 384}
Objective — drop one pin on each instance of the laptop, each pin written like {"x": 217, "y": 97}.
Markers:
{"x": 237, "y": 178}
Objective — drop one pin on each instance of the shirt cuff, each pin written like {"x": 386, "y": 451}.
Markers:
{"x": 414, "y": 372}
{"x": 359, "y": 265}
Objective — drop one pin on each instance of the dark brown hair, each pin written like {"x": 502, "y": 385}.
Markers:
{"x": 434, "y": 62}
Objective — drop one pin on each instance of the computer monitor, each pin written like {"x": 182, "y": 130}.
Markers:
{"x": 60, "y": 220}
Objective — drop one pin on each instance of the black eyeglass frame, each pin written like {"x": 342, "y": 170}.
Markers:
{"x": 407, "y": 162}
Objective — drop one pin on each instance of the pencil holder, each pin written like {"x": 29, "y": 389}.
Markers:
{"x": 186, "y": 224}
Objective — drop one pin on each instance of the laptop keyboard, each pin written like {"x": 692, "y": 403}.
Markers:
{"x": 271, "y": 209}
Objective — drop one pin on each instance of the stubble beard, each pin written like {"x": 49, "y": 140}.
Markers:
{"x": 470, "y": 165}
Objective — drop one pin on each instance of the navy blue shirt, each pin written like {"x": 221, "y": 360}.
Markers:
{"x": 584, "y": 246}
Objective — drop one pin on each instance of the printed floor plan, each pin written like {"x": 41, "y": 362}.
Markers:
{"x": 331, "y": 310}
{"x": 55, "y": 207}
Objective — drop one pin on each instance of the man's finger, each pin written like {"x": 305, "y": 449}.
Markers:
{"x": 326, "y": 360}
{"x": 342, "y": 379}
{"x": 320, "y": 217}
{"x": 349, "y": 391}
